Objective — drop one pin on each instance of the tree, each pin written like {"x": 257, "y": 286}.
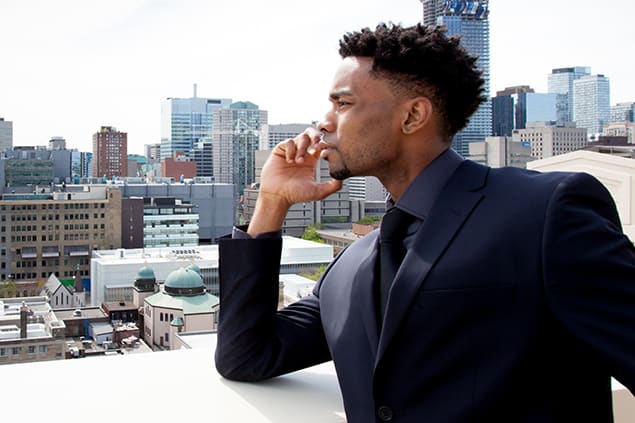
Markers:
{"x": 8, "y": 289}
{"x": 314, "y": 276}
{"x": 310, "y": 234}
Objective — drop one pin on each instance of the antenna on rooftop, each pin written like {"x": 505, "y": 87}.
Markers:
{"x": 194, "y": 90}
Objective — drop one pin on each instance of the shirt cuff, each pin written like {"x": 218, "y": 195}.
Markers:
{"x": 240, "y": 232}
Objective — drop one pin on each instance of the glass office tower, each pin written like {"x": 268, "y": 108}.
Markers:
{"x": 560, "y": 81}
{"x": 470, "y": 20}
{"x": 591, "y": 102}
{"x": 186, "y": 121}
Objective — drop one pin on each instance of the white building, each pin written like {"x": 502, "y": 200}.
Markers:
{"x": 279, "y": 133}
{"x": 113, "y": 270}
{"x": 501, "y": 151}
{"x": 547, "y": 139}
{"x": 29, "y": 331}
{"x": 616, "y": 173}
{"x": 181, "y": 306}
{"x": 366, "y": 188}
{"x": 62, "y": 296}
{"x": 169, "y": 222}
{"x": 621, "y": 129}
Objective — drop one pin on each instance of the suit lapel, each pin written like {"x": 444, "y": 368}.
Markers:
{"x": 451, "y": 209}
{"x": 364, "y": 292}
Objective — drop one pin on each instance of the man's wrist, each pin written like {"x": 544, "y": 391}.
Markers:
{"x": 269, "y": 215}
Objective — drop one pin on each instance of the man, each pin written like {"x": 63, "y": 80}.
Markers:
{"x": 515, "y": 301}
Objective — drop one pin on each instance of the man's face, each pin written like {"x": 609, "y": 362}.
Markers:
{"x": 363, "y": 126}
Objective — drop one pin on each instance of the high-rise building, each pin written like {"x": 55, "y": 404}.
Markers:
{"x": 470, "y": 20}
{"x": 238, "y": 130}
{"x": 213, "y": 203}
{"x": 178, "y": 167}
{"x": 501, "y": 151}
{"x": 513, "y": 107}
{"x": 185, "y": 121}
{"x": 366, "y": 188}
{"x": 80, "y": 165}
{"x": 560, "y": 81}
{"x": 56, "y": 232}
{"x": 169, "y": 222}
{"x": 591, "y": 102}
{"x": 279, "y": 133}
{"x": 623, "y": 112}
{"x": 504, "y": 110}
{"x": 153, "y": 153}
{"x": 548, "y": 139}
{"x": 6, "y": 134}
{"x": 203, "y": 154}
{"x": 621, "y": 129}
{"x": 34, "y": 165}
{"x": 110, "y": 153}
{"x": 57, "y": 143}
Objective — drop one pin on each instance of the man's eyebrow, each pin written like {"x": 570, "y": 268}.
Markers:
{"x": 335, "y": 95}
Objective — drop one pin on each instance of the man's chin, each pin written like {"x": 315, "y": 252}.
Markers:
{"x": 340, "y": 174}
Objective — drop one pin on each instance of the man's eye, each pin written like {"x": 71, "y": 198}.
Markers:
{"x": 342, "y": 103}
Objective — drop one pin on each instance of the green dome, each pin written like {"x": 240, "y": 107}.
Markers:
{"x": 177, "y": 321}
{"x": 195, "y": 268}
{"x": 145, "y": 273}
{"x": 184, "y": 282}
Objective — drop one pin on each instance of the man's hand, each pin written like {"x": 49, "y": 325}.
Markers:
{"x": 288, "y": 177}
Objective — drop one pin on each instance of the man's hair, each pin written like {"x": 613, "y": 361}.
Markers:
{"x": 422, "y": 61}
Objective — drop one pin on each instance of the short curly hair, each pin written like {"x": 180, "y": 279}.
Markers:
{"x": 423, "y": 60}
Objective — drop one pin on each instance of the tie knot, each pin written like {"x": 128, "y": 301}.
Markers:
{"x": 394, "y": 224}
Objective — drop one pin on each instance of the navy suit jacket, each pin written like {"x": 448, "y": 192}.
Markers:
{"x": 515, "y": 303}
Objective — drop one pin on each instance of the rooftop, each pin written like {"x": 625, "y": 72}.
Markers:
{"x": 295, "y": 250}
{"x": 310, "y": 395}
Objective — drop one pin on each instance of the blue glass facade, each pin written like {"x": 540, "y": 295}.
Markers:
{"x": 186, "y": 121}
{"x": 470, "y": 20}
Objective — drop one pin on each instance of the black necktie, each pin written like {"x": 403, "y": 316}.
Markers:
{"x": 392, "y": 231}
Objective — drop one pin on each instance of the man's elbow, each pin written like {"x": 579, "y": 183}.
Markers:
{"x": 232, "y": 370}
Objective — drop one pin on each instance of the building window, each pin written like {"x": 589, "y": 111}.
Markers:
{"x": 31, "y": 349}
{"x": 16, "y": 350}
{"x": 161, "y": 316}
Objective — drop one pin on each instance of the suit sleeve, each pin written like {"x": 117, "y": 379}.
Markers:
{"x": 589, "y": 273}
{"x": 255, "y": 341}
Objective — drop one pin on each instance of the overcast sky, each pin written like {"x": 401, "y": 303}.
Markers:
{"x": 68, "y": 67}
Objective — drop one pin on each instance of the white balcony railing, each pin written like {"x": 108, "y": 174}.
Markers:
{"x": 191, "y": 391}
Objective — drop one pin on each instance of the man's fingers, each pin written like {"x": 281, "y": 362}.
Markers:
{"x": 290, "y": 150}
{"x": 324, "y": 189}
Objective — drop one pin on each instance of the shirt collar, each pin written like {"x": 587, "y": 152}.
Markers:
{"x": 424, "y": 190}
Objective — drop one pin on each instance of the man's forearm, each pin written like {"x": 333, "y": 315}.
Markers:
{"x": 268, "y": 216}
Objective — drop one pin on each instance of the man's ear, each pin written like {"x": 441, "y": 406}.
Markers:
{"x": 418, "y": 113}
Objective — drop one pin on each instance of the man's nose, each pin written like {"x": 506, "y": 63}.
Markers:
{"x": 327, "y": 124}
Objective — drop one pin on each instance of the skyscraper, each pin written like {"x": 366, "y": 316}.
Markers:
{"x": 236, "y": 137}
{"x": 6, "y": 135}
{"x": 185, "y": 121}
{"x": 110, "y": 153}
{"x": 560, "y": 81}
{"x": 591, "y": 102}
{"x": 623, "y": 112}
{"x": 470, "y": 20}
{"x": 278, "y": 133}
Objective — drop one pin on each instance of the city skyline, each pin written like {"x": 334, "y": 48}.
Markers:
{"x": 71, "y": 67}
